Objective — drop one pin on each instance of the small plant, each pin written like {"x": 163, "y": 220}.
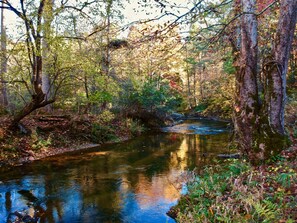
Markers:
{"x": 40, "y": 143}
{"x": 101, "y": 133}
{"x": 266, "y": 211}
{"x": 135, "y": 127}
{"x": 286, "y": 179}
{"x": 201, "y": 107}
{"x": 106, "y": 116}
{"x": 238, "y": 192}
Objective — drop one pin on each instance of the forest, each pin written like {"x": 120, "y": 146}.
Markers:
{"x": 76, "y": 74}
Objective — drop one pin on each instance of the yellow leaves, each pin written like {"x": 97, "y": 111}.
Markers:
{"x": 280, "y": 189}
{"x": 276, "y": 169}
{"x": 291, "y": 171}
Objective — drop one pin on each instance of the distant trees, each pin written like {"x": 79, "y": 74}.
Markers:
{"x": 151, "y": 70}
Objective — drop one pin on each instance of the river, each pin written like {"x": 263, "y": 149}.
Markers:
{"x": 134, "y": 181}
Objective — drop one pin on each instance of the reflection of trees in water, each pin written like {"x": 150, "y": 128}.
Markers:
{"x": 8, "y": 202}
{"x": 102, "y": 180}
{"x": 52, "y": 205}
{"x": 197, "y": 151}
{"x": 32, "y": 193}
{"x": 98, "y": 188}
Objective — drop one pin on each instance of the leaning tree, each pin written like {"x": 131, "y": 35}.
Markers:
{"x": 37, "y": 26}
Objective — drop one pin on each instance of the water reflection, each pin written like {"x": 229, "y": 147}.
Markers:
{"x": 136, "y": 181}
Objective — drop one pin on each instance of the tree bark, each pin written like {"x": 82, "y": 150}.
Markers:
{"x": 46, "y": 71}
{"x": 260, "y": 126}
{"x": 276, "y": 69}
{"x": 246, "y": 100}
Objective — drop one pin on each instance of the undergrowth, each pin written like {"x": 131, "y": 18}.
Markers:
{"x": 238, "y": 192}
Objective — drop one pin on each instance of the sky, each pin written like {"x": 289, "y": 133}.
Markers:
{"x": 132, "y": 12}
{"x": 131, "y": 15}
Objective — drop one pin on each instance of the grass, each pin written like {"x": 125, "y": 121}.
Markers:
{"x": 238, "y": 192}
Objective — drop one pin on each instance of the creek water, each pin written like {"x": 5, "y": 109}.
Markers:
{"x": 134, "y": 181}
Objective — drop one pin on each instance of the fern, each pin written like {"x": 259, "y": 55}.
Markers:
{"x": 285, "y": 179}
{"x": 267, "y": 211}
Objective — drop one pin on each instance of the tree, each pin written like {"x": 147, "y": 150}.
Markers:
{"x": 4, "y": 97}
{"x": 34, "y": 48}
{"x": 259, "y": 124}
{"x": 37, "y": 17}
{"x": 46, "y": 76}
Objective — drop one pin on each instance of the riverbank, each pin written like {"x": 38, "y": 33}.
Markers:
{"x": 41, "y": 136}
{"x": 238, "y": 192}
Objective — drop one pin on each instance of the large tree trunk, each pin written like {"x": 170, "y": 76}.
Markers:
{"x": 46, "y": 71}
{"x": 276, "y": 69}
{"x": 246, "y": 102}
{"x": 260, "y": 127}
{"x": 33, "y": 41}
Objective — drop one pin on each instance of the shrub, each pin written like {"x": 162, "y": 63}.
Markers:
{"x": 101, "y": 133}
{"x": 135, "y": 127}
{"x": 238, "y": 192}
{"x": 106, "y": 116}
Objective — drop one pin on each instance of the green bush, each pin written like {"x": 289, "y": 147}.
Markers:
{"x": 101, "y": 133}
{"x": 201, "y": 107}
{"x": 135, "y": 127}
{"x": 152, "y": 95}
{"x": 106, "y": 116}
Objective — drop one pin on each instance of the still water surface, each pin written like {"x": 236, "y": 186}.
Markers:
{"x": 131, "y": 182}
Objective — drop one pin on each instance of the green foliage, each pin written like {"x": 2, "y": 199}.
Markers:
{"x": 102, "y": 133}
{"x": 286, "y": 179}
{"x": 152, "y": 95}
{"x": 266, "y": 211}
{"x": 228, "y": 64}
{"x": 105, "y": 90}
{"x": 106, "y": 116}
{"x": 135, "y": 127}
{"x": 156, "y": 96}
{"x": 39, "y": 143}
{"x": 201, "y": 107}
{"x": 237, "y": 192}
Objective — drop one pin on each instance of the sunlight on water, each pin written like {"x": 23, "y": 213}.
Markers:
{"x": 135, "y": 181}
